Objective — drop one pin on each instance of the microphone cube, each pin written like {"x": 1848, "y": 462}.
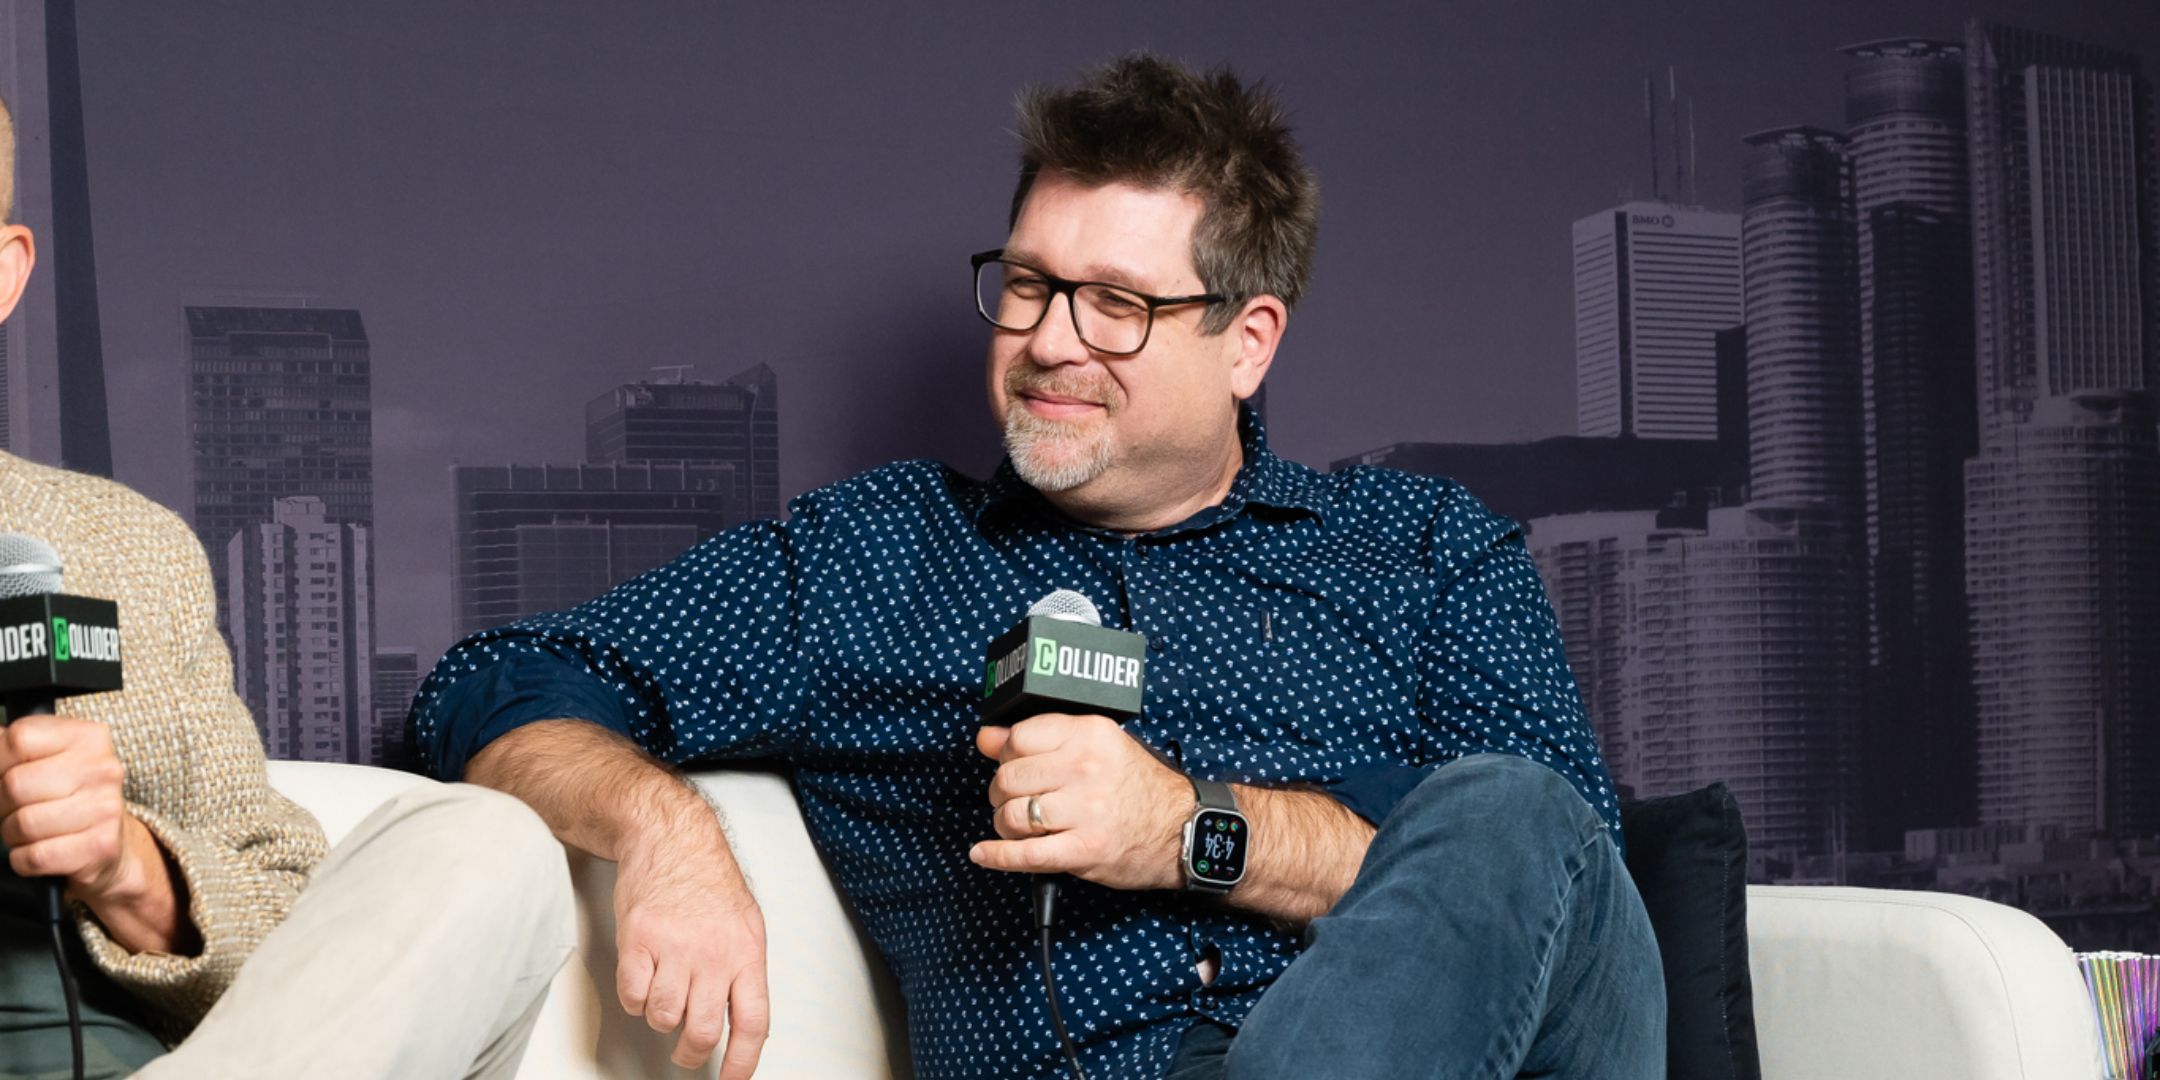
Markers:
{"x": 1048, "y": 664}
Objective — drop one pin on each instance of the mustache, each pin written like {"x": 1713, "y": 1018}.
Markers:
{"x": 1101, "y": 390}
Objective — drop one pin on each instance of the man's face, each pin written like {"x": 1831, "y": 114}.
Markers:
{"x": 1114, "y": 431}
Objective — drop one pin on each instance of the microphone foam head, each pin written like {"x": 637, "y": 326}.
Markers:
{"x": 28, "y": 566}
{"x": 1069, "y": 605}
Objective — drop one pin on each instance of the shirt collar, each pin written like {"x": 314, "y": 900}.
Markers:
{"x": 1263, "y": 480}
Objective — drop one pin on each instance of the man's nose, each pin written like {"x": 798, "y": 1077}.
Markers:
{"x": 1056, "y": 339}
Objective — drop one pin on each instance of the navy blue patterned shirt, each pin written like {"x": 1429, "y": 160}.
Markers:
{"x": 1335, "y": 629}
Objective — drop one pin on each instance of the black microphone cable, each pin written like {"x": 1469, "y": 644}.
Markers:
{"x": 55, "y": 917}
{"x": 1046, "y": 890}
{"x": 56, "y": 923}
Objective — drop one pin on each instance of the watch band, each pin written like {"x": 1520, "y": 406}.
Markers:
{"x": 1213, "y": 795}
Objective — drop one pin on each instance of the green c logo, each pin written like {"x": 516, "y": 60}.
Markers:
{"x": 1045, "y": 656}
{"x": 60, "y": 639}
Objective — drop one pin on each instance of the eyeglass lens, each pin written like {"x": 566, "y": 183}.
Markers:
{"x": 1108, "y": 319}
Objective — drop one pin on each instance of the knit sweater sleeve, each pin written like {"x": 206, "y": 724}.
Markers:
{"x": 196, "y": 777}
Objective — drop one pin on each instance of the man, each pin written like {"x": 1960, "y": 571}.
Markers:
{"x": 423, "y": 945}
{"x": 1322, "y": 642}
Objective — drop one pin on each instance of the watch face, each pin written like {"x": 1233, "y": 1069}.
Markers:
{"x": 1217, "y": 854}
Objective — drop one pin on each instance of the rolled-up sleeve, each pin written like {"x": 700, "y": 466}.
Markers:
{"x": 695, "y": 660}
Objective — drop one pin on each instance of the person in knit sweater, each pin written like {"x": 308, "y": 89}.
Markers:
{"x": 213, "y": 933}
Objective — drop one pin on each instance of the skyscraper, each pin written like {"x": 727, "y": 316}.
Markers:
{"x": 1654, "y": 283}
{"x": 534, "y": 538}
{"x": 1803, "y": 329}
{"x": 736, "y": 422}
{"x": 1593, "y": 566}
{"x": 396, "y": 679}
{"x": 2060, "y": 503}
{"x": 2062, "y": 229}
{"x": 279, "y": 405}
{"x": 1905, "y": 109}
{"x": 1746, "y": 670}
{"x": 1748, "y": 655}
{"x": 2064, "y": 580}
{"x": 300, "y": 595}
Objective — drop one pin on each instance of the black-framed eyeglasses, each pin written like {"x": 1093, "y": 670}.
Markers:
{"x": 1110, "y": 319}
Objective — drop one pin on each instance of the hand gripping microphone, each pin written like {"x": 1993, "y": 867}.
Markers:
{"x": 51, "y": 646}
{"x": 1061, "y": 658}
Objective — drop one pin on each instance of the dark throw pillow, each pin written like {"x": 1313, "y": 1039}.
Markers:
{"x": 1688, "y": 856}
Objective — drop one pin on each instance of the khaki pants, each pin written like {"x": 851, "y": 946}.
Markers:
{"x": 423, "y": 947}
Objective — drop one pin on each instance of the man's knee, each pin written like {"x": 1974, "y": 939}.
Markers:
{"x": 1507, "y": 789}
{"x": 474, "y": 832}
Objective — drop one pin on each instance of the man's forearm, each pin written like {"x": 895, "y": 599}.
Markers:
{"x": 596, "y": 790}
{"x": 1306, "y": 851}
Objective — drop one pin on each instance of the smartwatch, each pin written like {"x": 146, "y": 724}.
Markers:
{"x": 1216, "y": 839}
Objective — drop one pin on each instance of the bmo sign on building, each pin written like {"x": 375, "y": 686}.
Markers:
{"x": 1654, "y": 284}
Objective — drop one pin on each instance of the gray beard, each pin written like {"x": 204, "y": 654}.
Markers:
{"x": 1031, "y": 440}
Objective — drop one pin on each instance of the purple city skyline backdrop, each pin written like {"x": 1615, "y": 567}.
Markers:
{"x": 531, "y": 205}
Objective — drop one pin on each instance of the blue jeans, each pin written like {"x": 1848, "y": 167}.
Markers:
{"x": 1492, "y": 933}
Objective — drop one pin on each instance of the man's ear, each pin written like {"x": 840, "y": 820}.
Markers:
{"x": 1258, "y": 329}
{"x": 18, "y": 253}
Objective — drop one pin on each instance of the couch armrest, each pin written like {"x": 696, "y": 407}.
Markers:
{"x": 835, "y": 1013}
{"x": 339, "y": 795}
{"x": 1857, "y": 984}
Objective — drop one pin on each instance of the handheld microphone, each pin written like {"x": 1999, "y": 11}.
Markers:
{"x": 1061, "y": 658}
{"x": 52, "y": 646}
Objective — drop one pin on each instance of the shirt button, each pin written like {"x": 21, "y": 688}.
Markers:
{"x": 1154, "y": 643}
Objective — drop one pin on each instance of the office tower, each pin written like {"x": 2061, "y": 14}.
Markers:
{"x": 534, "y": 538}
{"x": 396, "y": 679}
{"x": 1905, "y": 109}
{"x": 1592, "y": 565}
{"x": 1568, "y": 474}
{"x": 2062, "y": 228}
{"x": 52, "y": 410}
{"x": 2064, "y": 580}
{"x": 2059, "y": 521}
{"x": 1747, "y": 670}
{"x": 1803, "y": 330}
{"x": 279, "y": 405}
{"x": 736, "y": 422}
{"x": 300, "y": 596}
{"x": 1654, "y": 283}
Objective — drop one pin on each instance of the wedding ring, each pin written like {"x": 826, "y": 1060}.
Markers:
{"x": 1035, "y": 814}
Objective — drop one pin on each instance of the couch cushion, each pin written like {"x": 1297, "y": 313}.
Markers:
{"x": 1688, "y": 856}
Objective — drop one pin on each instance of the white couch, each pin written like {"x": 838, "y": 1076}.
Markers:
{"x": 1850, "y": 984}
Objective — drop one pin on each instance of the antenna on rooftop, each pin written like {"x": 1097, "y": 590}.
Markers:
{"x": 1672, "y": 106}
{"x": 1694, "y": 198}
{"x": 1649, "y": 114}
